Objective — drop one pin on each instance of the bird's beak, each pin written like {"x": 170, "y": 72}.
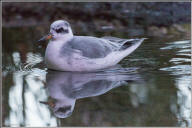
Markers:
{"x": 50, "y": 103}
{"x": 47, "y": 37}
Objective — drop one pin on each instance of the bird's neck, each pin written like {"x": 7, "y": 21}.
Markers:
{"x": 57, "y": 43}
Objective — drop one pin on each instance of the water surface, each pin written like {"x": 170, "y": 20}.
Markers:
{"x": 150, "y": 87}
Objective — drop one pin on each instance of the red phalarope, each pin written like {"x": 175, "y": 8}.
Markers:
{"x": 67, "y": 52}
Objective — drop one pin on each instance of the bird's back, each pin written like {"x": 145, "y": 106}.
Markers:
{"x": 90, "y": 47}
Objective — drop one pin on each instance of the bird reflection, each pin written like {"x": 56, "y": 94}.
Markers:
{"x": 65, "y": 88}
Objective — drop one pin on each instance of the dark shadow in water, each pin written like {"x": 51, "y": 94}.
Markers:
{"x": 67, "y": 87}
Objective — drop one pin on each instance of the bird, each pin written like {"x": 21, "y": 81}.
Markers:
{"x": 68, "y": 52}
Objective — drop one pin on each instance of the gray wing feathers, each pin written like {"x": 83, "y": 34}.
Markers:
{"x": 123, "y": 43}
{"x": 93, "y": 47}
{"x": 117, "y": 40}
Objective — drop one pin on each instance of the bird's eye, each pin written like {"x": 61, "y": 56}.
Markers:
{"x": 60, "y": 30}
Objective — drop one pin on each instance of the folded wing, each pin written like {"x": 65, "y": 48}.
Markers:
{"x": 93, "y": 47}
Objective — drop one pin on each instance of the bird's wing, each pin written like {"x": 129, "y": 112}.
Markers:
{"x": 122, "y": 43}
{"x": 91, "y": 47}
{"x": 115, "y": 39}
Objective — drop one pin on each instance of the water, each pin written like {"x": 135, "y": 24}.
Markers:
{"x": 150, "y": 87}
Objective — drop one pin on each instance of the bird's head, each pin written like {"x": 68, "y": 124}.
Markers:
{"x": 59, "y": 29}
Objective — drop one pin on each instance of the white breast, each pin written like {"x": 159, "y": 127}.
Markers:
{"x": 52, "y": 57}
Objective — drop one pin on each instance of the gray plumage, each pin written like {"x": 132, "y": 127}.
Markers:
{"x": 93, "y": 47}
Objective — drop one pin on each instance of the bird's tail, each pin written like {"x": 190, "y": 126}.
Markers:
{"x": 132, "y": 44}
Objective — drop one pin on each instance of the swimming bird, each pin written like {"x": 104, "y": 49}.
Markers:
{"x": 67, "y": 52}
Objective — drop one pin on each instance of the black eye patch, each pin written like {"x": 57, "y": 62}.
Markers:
{"x": 61, "y": 30}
